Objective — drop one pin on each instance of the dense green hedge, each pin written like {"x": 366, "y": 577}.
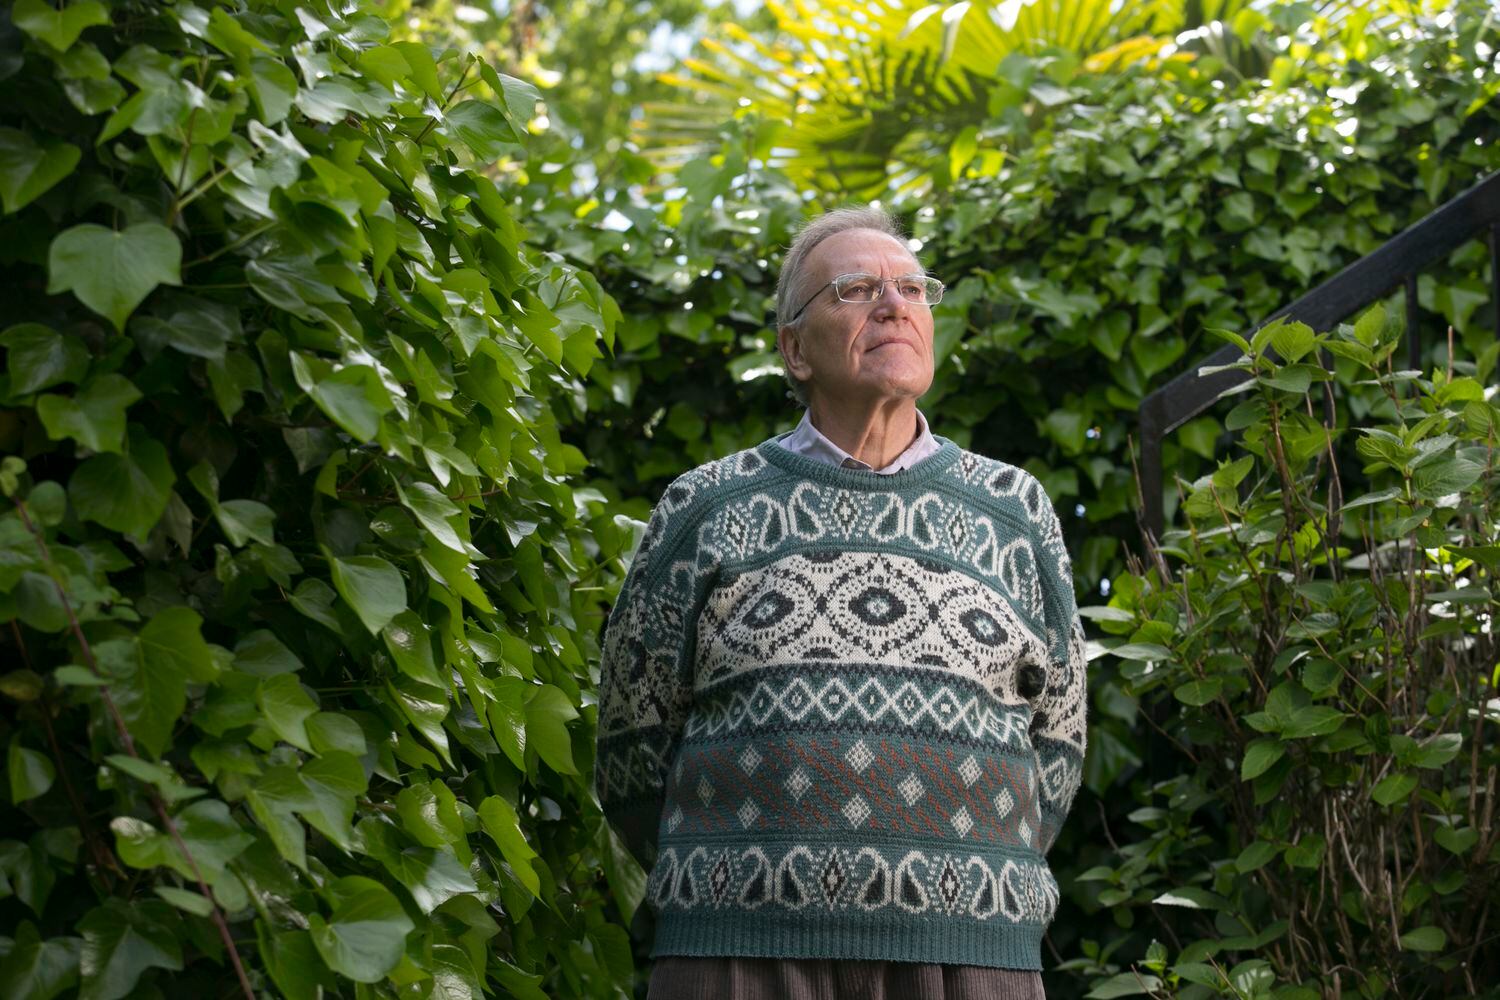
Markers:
{"x": 322, "y": 429}
{"x": 1324, "y": 665}
{"x": 301, "y": 588}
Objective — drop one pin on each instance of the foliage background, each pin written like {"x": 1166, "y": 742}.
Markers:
{"x": 394, "y": 358}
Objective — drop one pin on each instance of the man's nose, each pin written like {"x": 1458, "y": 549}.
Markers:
{"x": 891, "y": 302}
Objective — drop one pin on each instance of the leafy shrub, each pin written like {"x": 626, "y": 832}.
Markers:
{"x": 1147, "y": 207}
{"x": 301, "y": 593}
{"x": 1324, "y": 666}
{"x": 1132, "y": 210}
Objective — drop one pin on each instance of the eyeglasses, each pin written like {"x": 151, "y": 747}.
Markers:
{"x": 861, "y": 287}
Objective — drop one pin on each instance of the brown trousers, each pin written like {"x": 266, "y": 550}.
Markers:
{"x": 822, "y": 979}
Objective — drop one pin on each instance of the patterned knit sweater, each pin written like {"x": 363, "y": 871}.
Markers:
{"x": 842, "y": 714}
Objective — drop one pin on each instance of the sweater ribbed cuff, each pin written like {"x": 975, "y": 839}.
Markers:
{"x": 940, "y": 940}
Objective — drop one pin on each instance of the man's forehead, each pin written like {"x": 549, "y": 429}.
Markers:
{"x": 863, "y": 250}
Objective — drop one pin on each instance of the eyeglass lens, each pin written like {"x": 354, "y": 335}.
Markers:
{"x": 869, "y": 287}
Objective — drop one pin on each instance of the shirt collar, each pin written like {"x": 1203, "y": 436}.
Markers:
{"x": 808, "y": 441}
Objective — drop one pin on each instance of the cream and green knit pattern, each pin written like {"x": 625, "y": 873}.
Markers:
{"x": 842, "y": 714}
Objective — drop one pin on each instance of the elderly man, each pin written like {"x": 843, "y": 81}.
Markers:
{"x": 841, "y": 709}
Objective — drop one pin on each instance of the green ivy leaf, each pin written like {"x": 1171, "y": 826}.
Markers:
{"x": 435, "y": 512}
{"x": 58, "y": 27}
{"x": 161, "y": 776}
{"x": 520, "y": 97}
{"x": 294, "y": 964}
{"x": 27, "y": 170}
{"x": 365, "y": 937}
{"x": 190, "y": 324}
{"x": 36, "y": 969}
{"x": 245, "y": 521}
{"x": 39, "y": 357}
{"x": 127, "y": 492}
{"x": 274, "y": 87}
{"x": 211, "y": 835}
{"x": 112, "y": 272}
{"x": 273, "y": 800}
{"x": 285, "y": 707}
{"x": 333, "y": 781}
{"x": 410, "y": 646}
{"x": 335, "y": 732}
{"x": 423, "y": 68}
{"x": 194, "y": 903}
{"x": 424, "y": 817}
{"x": 507, "y": 713}
{"x": 122, "y": 940}
{"x": 372, "y": 587}
{"x": 548, "y": 711}
{"x": 503, "y": 826}
{"x": 149, "y": 674}
{"x": 94, "y": 417}
{"x": 432, "y": 876}
{"x": 453, "y": 976}
{"x": 482, "y": 127}
{"x": 31, "y": 774}
{"x": 172, "y": 641}
{"x": 352, "y": 397}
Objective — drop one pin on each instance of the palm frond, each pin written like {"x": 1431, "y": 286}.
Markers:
{"x": 858, "y": 97}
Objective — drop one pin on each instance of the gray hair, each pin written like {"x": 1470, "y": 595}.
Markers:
{"x": 789, "y": 284}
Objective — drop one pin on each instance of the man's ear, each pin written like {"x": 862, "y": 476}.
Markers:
{"x": 789, "y": 342}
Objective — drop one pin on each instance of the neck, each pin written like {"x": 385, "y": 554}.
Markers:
{"x": 876, "y": 433}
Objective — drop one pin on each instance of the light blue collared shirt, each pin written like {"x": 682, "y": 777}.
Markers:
{"x": 809, "y": 442}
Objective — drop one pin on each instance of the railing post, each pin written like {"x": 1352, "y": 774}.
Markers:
{"x": 1151, "y": 482}
{"x": 1413, "y": 330}
{"x": 1495, "y": 273}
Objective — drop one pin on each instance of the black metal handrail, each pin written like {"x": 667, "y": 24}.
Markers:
{"x": 1368, "y": 280}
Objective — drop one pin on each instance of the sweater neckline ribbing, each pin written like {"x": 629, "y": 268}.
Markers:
{"x": 924, "y": 471}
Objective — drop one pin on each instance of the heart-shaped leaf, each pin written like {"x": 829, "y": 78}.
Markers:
{"x": 39, "y": 357}
{"x": 366, "y": 935}
{"x": 125, "y": 492}
{"x": 112, "y": 271}
{"x": 372, "y": 587}
{"x": 27, "y": 170}
{"x": 58, "y": 27}
{"x": 94, "y": 417}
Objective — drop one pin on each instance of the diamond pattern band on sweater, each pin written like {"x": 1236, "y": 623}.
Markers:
{"x": 804, "y": 787}
{"x": 861, "y": 697}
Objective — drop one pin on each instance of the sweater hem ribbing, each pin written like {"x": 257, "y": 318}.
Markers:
{"x": 704, "y": 935}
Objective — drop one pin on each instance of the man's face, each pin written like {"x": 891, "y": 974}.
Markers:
{"x": 860, "y": 351}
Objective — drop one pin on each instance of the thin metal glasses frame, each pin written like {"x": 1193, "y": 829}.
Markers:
{"x": 932, "y": 297}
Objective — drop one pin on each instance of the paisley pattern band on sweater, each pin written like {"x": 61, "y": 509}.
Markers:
{"x": 866, "y": 878}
